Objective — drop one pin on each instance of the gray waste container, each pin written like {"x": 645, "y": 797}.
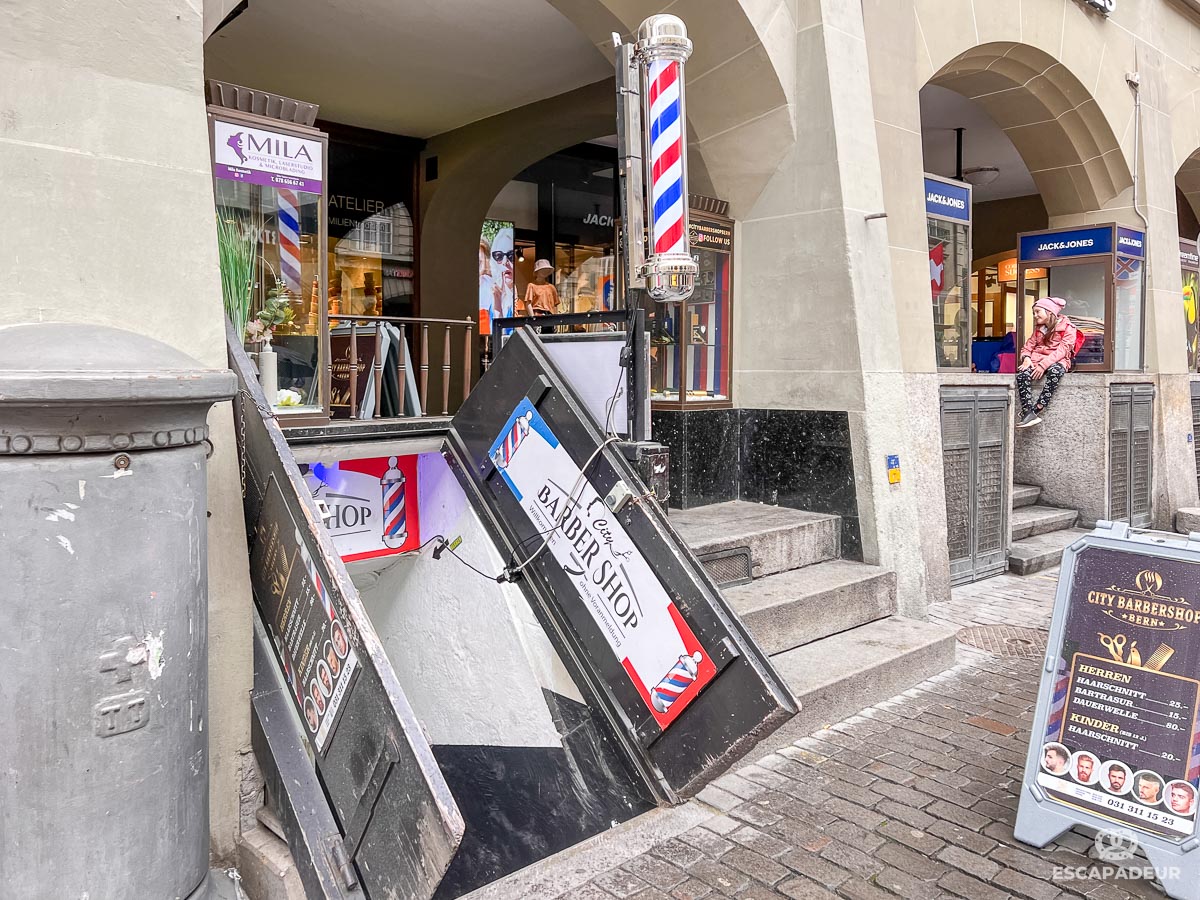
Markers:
{"x": 103, "y": 615}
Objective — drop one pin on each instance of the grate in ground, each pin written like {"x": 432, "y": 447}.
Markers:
{"x": 1006, "y": 640}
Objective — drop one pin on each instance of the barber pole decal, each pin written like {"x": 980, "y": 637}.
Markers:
{"x": 614, "y": 583}
{"x": 289, "y": 238}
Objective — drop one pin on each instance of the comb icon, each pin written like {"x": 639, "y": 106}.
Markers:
{"x": 1159, "y": 658}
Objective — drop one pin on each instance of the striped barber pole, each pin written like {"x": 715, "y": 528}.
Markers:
{"x": 1059, "y": 704}
{"x": 675, "y": 682}
{"x": 666, "y": 158}
{"x": 1193, "y": 771}
{"x": 289, "y": 238}
{"x": 395, "y": 524}
{"x": 512, "y": 440}
{"x": 314, "y": 576}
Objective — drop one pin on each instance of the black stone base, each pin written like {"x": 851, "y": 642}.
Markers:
{"x": 522, "y": 804}
{"x": 793, "y": 457}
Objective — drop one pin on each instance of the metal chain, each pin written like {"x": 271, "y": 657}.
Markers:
{"x": 241, "y": 414}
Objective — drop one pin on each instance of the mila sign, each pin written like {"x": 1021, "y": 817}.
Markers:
{"x": 267, "y": 158}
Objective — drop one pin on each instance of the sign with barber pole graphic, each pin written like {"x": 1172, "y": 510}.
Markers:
{"x": 372, "y": 504}
{"x": 615, "y": 585}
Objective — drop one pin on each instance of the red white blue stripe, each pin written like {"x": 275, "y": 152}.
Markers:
{"x": 667, "y": 231}
{"x": 512, "y": 440}
{"x": 289, "y": 238}
{"x": 395, "y": 518}
{"x": 674, "y": 683}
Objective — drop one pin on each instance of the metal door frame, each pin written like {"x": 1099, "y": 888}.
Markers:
{"x": 969, "y": 398}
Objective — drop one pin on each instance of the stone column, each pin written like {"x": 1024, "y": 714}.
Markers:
{"x": 109, "y": 220}
{"x": 1174, "y": 475}
{"x": 816, "y": 322}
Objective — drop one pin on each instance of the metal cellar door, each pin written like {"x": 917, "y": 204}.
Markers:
{"x": 633, "y": 614}
{"x": 349, "y": 772}
{"x": 974, "y": 456}
{"x": 1130, "y": 427}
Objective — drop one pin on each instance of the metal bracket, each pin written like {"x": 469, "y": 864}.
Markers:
{"x": 357, "y": 826}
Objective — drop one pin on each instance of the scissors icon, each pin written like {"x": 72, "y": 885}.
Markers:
{"x": 1114, "y": 645}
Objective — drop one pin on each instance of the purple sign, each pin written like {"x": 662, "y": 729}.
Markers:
{"x": 269, "y": 158}
{"x": 1122, "y": 738}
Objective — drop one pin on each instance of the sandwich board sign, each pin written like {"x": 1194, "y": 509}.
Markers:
{"x": 1116, "y": 735}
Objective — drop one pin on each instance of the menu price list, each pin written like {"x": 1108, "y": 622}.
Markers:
{"x": 1143, "y": 717}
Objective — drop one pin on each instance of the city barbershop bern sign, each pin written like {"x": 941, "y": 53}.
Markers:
{"x": 1116, "y": 734}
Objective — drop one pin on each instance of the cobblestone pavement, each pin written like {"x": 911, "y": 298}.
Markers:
{"x": 913, "y": 798}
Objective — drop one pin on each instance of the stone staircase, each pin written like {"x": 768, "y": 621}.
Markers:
{"x": 1039, "y": 533}
{"x": 828, "y": 624}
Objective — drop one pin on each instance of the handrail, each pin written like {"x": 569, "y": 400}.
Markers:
{"x": 401, "y": 366}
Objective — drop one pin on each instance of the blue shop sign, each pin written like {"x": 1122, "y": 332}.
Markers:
{"x": 1131, "y": 243}
{"x": 947, "y": 201}
{"x": 1063, "y": 244}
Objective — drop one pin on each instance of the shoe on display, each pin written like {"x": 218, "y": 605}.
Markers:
{"x": 1030, "y": 418}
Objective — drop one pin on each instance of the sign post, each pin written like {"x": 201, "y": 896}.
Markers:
{"x": 1116, "y": 734}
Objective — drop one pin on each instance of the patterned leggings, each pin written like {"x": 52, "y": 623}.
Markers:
{"x": 1054, "y": 375}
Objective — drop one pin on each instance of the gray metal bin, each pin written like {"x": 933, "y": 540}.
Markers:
{"x": 103, "y": 615}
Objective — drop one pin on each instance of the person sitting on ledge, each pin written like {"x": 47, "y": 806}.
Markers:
{"x": 1046, "y": 355}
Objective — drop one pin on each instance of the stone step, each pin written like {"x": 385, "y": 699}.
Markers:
{"x": 1043, "y": 551}
{"x": 1030, "y": 521}
{"x": 794, "y": 608}
{"x": 839, "y": 675}
{"x": 779, "y": 538}
{"x": 1025, "y": 495}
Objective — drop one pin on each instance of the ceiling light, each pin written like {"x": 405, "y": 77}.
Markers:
{"x": 980, "y": 175}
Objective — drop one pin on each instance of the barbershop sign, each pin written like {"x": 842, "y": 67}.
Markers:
{"x": 1116, "y": 734}
{"x": 612, "y": 580}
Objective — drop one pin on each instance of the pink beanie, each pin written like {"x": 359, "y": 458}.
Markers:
{"x": 1052, "y": 305}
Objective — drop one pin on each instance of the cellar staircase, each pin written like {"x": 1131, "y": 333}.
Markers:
{"x": 829, "y": 625}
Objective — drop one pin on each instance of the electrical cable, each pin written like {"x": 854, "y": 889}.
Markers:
{"x": 511, "y": 570}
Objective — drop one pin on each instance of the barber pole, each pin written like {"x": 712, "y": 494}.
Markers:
{"x": 395, "y": 529}
{"x": 289, "y": 238}
{"x": 652, "y": 147}
{"x": 314, "y": 576}
{"x": 516, "y": 434}
{"x": 675, "y": 682}
{"x": 668, "y": 230}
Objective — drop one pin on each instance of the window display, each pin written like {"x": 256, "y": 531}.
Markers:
{"x": 1098, "y": 270}
{"x": 690, "y": 341}
{"x": 948, "y": 225}
{"x": 1189, "y": 263}
{"x": 269, "y": 194}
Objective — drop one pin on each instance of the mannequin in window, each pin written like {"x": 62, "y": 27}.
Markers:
{"x": 541, "y": 299}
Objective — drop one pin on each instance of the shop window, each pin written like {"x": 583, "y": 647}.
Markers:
{"x": 268, "y": 190}
{"x": 690, "y": 342}
{"x": 948, "y": 226}
{"x": 1098, "y": 270}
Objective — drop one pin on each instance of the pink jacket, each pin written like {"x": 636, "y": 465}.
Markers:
{"x": 1056, "y": 346}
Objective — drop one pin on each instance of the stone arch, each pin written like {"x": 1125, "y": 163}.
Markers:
{"x": 740, "y": 125}
{"x": 1052, "y": 119}
{"x": 741, "y": 82}
{"x": 474, "y": 163}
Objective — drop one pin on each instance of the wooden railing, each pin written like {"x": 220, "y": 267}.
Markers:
{"x": 421, "y": 358}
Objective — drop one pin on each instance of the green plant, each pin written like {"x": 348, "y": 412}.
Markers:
{"x": 237, "y": 243}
